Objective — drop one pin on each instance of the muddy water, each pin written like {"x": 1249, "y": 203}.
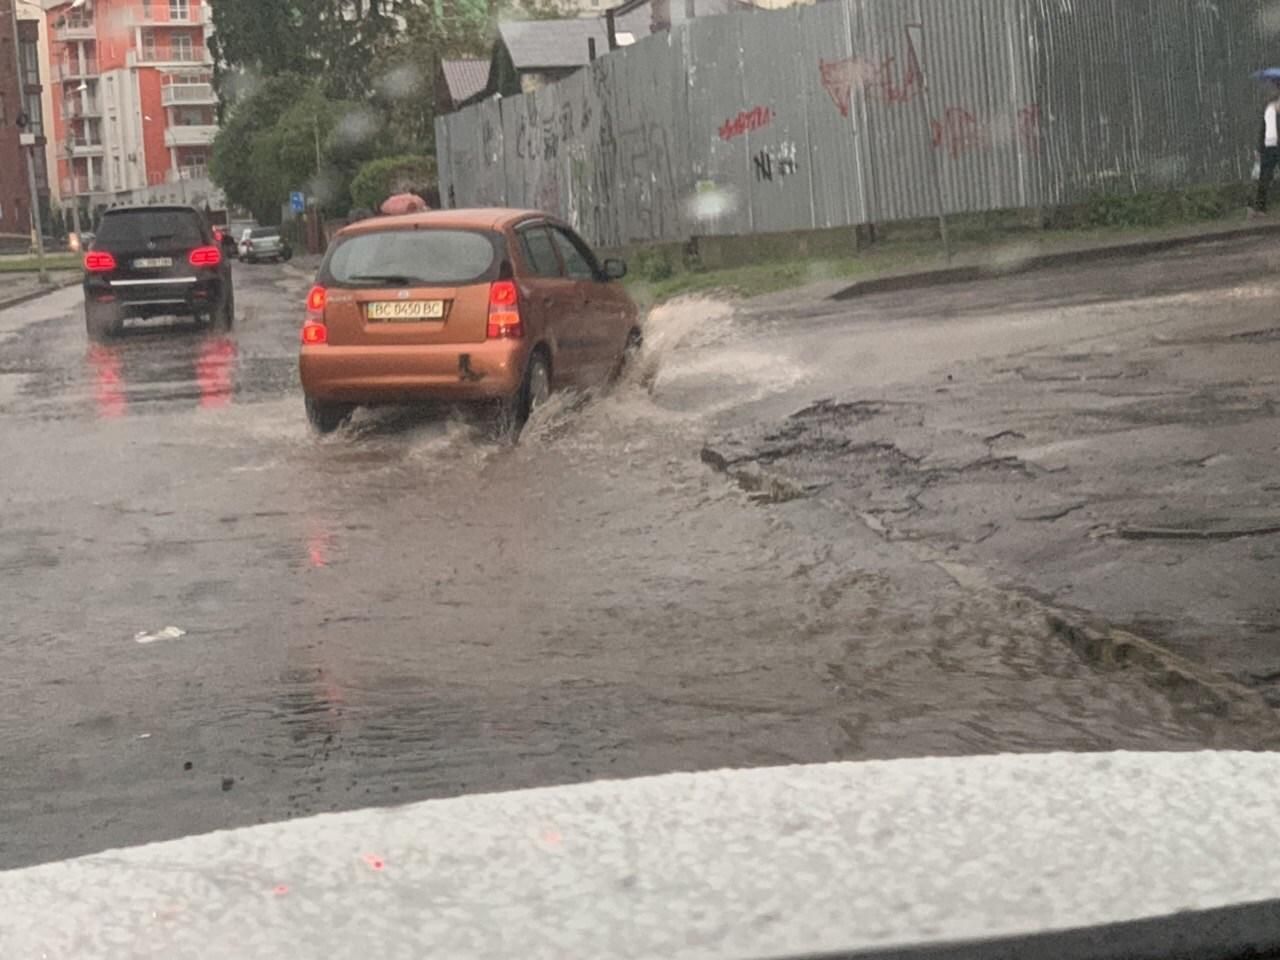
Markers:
{"x": 411, "y": 609}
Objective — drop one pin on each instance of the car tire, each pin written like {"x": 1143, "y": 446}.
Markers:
{"x": 533, "y": 393}
{"x": 327, "y": 417}
{"x": 102, "y": 321}
{"x": 225, "y": 317}
{"x": 635, "y": 343}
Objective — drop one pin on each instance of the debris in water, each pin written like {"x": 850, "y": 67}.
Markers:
{"x": 228, "y": 783}
{"x": 168, "y": 633}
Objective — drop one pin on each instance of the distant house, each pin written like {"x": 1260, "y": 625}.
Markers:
{"x": 531, "y": 53}
{"x": 459, "y": 82}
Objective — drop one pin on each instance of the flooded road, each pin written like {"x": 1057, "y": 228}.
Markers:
{"x": 409, "y": 609}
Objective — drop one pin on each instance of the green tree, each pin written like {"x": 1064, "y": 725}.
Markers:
{"x": 379, "y": 179}
{"x": 288, "y": 135}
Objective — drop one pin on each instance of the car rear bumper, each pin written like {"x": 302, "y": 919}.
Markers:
{"x": 177, "y": 295}
{"x": 377, "y": 374}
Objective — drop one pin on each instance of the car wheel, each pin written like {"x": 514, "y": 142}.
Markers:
{"x": 533, "y": 393}
{"x": 635, "y": 343}
{"x": 102, "y": 321}
{"x": 225, "y": 318}
{"x": 327, "y": 417}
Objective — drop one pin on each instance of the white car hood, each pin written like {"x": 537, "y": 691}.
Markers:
{"x": 850, "y": 857}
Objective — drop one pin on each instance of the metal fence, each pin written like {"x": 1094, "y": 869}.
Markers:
{"x": 868, "y": 111}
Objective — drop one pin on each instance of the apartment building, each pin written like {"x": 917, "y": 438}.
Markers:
{"x": 133, "y": 104}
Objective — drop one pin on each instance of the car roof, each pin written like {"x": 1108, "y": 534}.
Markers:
{"x": 481, "y": 218}
{"x": 151, "y": 208}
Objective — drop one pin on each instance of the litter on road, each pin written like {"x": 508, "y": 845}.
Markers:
{"x": 168, "y": 633}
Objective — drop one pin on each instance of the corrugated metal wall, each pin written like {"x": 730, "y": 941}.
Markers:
{"x": 860, "y": 111}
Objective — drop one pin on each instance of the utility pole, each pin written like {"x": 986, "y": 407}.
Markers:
{"x": 28, "y": 140}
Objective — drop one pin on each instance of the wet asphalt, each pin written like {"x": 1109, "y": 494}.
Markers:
{"x": 412, "y": 609}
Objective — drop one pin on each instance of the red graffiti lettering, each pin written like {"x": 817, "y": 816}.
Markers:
{"x": 880, "y": 79}
{"x": 960, "y": 132}
{"x": 745, "y": 122}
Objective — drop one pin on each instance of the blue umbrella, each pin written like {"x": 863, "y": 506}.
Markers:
{"x": 1269, "y": 73}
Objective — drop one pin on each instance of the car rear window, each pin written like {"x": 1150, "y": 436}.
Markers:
{"x": 264, "y": 232}
{"x": 414, "y": 256}
{"x": 138, "y": 228}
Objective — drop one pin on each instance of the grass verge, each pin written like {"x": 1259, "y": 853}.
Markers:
{"x": 999, "y": 240}
{"x": 57, "y": 261}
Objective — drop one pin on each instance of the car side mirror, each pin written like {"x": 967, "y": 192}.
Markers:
{"x": 615, "y": 269}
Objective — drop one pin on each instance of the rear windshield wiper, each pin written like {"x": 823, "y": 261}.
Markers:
{"x": 395, "y": 279}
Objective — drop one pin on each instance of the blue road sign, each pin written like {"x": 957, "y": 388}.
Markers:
{"x": 298, "y": 201}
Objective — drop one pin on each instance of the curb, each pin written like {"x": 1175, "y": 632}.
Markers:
{"x": 37, "y": 294}
{"x": 969, "y": 274}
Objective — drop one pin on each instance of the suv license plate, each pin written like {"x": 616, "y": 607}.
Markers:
{"x": 403, "y": 310}
{"x": 152, "y": 263}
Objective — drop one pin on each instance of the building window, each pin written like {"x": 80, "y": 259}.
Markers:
{"x": 29, "y": 63}
{"x": 182, "y": 49}
{"x": 180, "y": 10}
{"x": 35, "y": 113}
{"x": 149, "y": 45}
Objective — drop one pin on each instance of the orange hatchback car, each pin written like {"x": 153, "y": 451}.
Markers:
{"x": 461, "y": 305}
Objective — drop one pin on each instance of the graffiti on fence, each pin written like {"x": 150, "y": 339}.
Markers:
{"x": 644, "y": 159}
{"x": 960, "y": 131}
{"x": 544, "y": 139}
{"x": 779, "y": 162}
{"x": 745, "y": 122}
{"x": 881, "y": 79}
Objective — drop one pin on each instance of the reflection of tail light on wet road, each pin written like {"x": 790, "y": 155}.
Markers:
{"x": 108, "y": 382}
{"x": 214, "y": 369}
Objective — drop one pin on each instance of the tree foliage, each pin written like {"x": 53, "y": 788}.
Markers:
{"x": 379, "y": 179}
{"x": 288, "y": 135}
{"x": 356, "y": 76}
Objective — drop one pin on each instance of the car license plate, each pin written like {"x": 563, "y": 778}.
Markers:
{"x": 152, "y": 263}
{"x": 406, "y": 310}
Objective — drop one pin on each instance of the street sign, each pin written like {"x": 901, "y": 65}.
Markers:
{"x": 27, "y": 139}
{"x": 298, "y": 201}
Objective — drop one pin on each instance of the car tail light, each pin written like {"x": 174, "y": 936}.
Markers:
{"x": 99, "y": 262}
{"x": 504, "y": 311}
{"x": 205, "y": 257}
{"x": 314, "y": 331}
{"x": 317, "y": 299}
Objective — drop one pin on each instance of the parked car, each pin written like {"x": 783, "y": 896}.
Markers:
{"x": 264, "y": 243}
{"x": 480, "y": 305}
{"x": 155, "y": 261}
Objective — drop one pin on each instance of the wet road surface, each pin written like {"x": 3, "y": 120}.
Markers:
{"x": 409, "y": 609}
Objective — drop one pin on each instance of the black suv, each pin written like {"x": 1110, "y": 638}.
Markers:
{"x": 155, "y": 261}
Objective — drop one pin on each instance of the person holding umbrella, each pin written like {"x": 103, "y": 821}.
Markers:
{"x": 1269, "y": 140}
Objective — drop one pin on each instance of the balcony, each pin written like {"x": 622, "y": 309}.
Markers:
{"x": 76, "y": 28}
{"x": 74, "y": 70}
{"x": 190, "y": 136}
{"x": 184, "y": 94}
{"x": 169, "y": 55}
{"x": 77, "y": 109}
{"x": 168, "y": 15}
{"x": 80, "y": 186}
{"x": 83, "y": 147}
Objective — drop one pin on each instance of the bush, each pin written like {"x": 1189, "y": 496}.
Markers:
{"x": 1152, "y": 208}
{"x": 379, "y": 179}
{"x": 653, "y": 264}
